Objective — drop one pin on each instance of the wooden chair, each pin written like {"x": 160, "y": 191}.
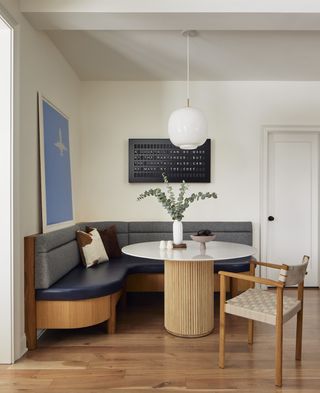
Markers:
{"x": 266, "y": 306}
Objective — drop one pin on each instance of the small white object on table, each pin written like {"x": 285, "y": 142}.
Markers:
{"x": 189, "y": 282}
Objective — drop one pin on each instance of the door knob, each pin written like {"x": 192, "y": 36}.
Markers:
{"x": 270, "y": 218}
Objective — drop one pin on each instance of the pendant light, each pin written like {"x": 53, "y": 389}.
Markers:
{"x": 187, "y": 126}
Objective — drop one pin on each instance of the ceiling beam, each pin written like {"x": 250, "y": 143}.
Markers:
{"x": 171, "y": 6}
{"x": 172, "y": 14}
{"x": 207, "y": 21}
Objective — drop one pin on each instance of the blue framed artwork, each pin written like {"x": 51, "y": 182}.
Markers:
{"x": 56, "y": 183}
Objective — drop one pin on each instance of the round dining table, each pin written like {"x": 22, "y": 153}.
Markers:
{"x": 189, "y": 281}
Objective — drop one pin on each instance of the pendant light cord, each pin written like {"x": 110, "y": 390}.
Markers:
{"x": 188, "y": 71}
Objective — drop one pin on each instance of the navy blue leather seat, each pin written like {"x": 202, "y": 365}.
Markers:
{"x": 238, "y": 265}
{"x": 99, "y": 280}
{"x": 82, "y": 283}
{"x": 108, "y": 278}
{"x": 143, "y": 265}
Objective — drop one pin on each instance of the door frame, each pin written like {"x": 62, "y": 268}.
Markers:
{"x": 12, "y": 274}
{"x": 265, "y": 134}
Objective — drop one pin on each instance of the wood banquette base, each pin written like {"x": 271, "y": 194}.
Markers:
{"x": 61, "y": 314}
{"x": 70, "y": 314}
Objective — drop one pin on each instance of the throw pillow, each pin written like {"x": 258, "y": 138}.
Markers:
{"x": 110, "y": 241}
{"x": 91, "y": 248}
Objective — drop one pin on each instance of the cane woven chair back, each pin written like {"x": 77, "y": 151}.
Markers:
{"x": 294, "y": 274}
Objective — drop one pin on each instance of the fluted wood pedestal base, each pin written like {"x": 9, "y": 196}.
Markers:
{"x": 188, "y": 298}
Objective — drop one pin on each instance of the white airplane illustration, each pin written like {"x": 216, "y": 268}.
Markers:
{"x": 60, "y": 145}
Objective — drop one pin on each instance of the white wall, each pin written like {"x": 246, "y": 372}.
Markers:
{"x": 112, "y": 112}
{"x": 41, "y": 68}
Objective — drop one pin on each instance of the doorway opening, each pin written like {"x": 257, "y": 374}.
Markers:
{"x": 6, "y": 195}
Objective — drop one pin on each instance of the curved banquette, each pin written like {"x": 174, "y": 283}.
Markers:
{"x": 61, "y": 293}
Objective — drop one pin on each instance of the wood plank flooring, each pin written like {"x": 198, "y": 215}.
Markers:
{"x": 142, "y": 357}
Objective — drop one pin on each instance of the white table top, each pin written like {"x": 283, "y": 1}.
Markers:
{"x": 214, "y": 251}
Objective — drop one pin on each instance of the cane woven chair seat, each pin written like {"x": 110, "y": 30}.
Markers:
{"x": 260, "y": 305}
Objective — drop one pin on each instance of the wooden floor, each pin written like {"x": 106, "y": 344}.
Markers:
{"x": 142, "y": 357}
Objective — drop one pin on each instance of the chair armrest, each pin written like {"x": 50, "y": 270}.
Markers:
{"x": 267, "y": 264}
{"x": 258, "y": 280}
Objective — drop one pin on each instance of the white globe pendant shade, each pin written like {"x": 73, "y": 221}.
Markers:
{"x": 187, "y": 128}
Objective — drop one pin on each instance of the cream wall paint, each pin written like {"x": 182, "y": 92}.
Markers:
{"x": 41, "y": 67}
{"x": 112, "y": 112}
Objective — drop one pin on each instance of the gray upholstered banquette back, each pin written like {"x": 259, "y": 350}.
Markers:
{"x": 57, "y": 252}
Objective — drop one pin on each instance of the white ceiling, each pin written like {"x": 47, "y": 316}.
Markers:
{"x": 141, "y": 39}
{"x": 215, "y": 55}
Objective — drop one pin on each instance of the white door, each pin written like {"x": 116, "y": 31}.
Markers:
{"x": 292, "y": 201}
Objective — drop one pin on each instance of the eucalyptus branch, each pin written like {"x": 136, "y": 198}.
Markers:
{"x": 169, "y": 188}
{"x": 175, "y": 206}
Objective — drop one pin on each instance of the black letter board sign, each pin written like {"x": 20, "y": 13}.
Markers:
{"x": 149, "y": 158}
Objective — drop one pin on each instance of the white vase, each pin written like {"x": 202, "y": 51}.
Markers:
{"x": 177, "y": 232}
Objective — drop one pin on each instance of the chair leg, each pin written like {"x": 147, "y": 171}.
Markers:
{"x": 299, "y": 323}
{"x": 222, "y": 321}
{"x": 250, "y": 331}
{"x": 233, "y": 287}
{"x": 279, "y": 337}
{"x": 299, "y": 335}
